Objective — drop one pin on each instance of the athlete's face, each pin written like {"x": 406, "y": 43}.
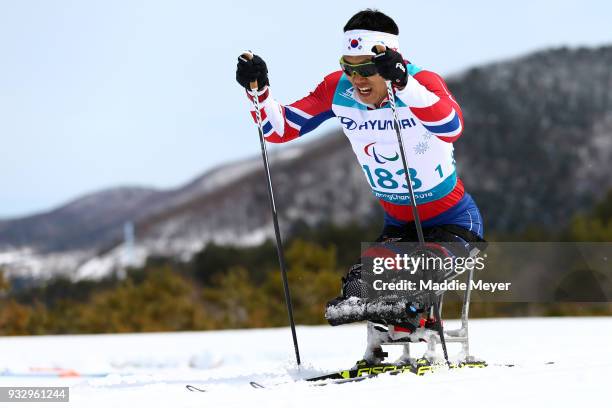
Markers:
{"x": 372, "y": 89}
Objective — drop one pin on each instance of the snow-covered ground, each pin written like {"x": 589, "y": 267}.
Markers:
{"x": 151, "y": 370}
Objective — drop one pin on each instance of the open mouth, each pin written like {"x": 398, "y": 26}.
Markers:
{"x": 364, "y": 91}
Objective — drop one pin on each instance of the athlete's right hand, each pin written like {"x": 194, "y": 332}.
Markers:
{"x": 249, "y": 70}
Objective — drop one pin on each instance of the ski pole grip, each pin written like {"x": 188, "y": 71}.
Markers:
{"x": 249, "y": 56}
{"x": 380, "y": 49}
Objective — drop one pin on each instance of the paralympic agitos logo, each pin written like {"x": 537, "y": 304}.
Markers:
{"x": 370, "y": 150}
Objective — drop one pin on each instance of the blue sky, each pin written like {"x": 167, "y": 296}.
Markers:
{"x": 96, "y": 94}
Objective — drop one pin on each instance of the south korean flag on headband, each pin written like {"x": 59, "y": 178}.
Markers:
{"x": 361, "y": 42}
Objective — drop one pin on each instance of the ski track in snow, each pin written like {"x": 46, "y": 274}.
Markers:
{"x": 152, "y": 370}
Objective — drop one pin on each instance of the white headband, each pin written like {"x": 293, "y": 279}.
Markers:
{"x": 360, "y": 42}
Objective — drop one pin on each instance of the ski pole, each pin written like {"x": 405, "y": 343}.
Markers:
{"x": 279, "y": 244}
{"x": 398, "y": 132}
{"x": 415, "y": 211}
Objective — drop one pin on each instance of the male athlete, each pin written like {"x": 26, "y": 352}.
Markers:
{"x": 430, "y": 121}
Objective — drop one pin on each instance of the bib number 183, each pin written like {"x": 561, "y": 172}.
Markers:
{"x": 382, "y": 177}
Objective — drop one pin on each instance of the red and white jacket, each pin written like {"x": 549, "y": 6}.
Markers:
{"x": 430, "y": 120}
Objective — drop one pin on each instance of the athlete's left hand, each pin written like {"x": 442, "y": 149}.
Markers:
{"x": 390, "y": 65}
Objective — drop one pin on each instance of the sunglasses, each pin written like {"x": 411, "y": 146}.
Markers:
{"x": 365, "y": 69}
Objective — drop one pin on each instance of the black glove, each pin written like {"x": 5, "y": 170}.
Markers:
{"x": 248, "y": 71}
{"x": 390, "y": 65}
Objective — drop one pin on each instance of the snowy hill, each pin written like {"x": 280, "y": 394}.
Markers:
{"x": 536, "y": 150}
{"x": 126, "y": 370}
